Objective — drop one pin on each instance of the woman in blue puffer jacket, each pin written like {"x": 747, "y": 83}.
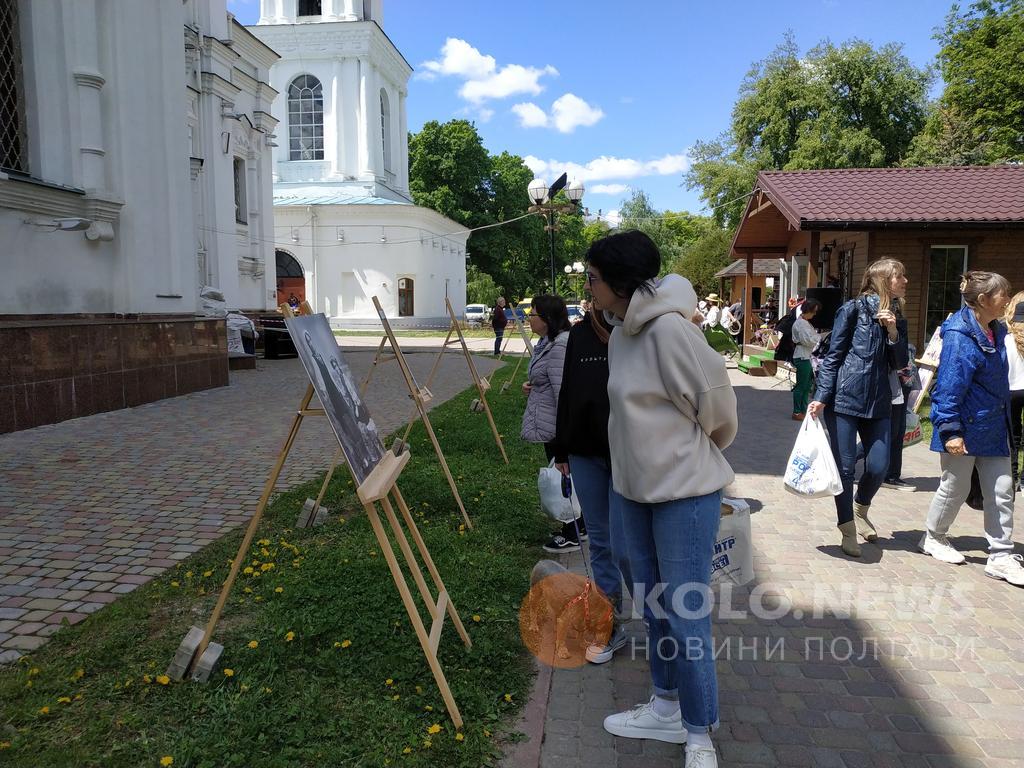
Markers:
{"x": 971, "y": 425}
{"x": 856, "y": 384}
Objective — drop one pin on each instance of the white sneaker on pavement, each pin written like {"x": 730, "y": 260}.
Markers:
{"x": 599, "y": 654}
{"x": 940, "y": 548}
{"x": 642, "y": 722}
{"x": 1006, "y": 567}
{"x": 701, "y": 757}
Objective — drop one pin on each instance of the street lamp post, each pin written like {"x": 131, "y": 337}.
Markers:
{"x": 575, "y": 271}
{"x": 543, "y": 196}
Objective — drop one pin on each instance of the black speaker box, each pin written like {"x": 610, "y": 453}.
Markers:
{"x": 831, "y": 300}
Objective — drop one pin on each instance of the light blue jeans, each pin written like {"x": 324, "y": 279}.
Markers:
{"x": 670, "y": 546}
{"x": 592, "y": 479}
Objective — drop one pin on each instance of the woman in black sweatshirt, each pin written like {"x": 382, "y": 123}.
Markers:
{"x": 581, "y": 444}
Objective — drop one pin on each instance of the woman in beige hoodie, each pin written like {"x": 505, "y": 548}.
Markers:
{"x": 673, "y": 411}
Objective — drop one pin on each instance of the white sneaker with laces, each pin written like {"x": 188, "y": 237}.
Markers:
{"x": 1006, "y": 567}
{"x": 642, "y": 722}
{"x": 701, "y": 757}
{"x": 940, "y": 548}
{"x": 599, "y": 654}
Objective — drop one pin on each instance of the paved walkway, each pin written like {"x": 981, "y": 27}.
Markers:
{"x": 939, "y": 687}
{"x": 93, "y": 507}
{"x": 513, "y": 345}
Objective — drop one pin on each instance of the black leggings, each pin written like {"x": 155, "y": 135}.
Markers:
{"x": 1017, "y": 433}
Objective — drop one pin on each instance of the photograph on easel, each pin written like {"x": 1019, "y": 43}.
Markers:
{"x": 338, "y": 392}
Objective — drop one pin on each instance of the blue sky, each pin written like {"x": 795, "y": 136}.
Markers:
{"x": 615, "y": 92}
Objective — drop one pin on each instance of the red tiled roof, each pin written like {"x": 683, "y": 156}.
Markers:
{"x": 761, "y": 267}
{"x": 989, "y": 194}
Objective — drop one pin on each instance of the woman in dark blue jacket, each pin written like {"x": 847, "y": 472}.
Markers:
{"x": 856, "y": 385}
{"x": 971, "y": 425}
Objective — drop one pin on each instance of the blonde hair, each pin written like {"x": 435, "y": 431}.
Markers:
{"x": 1017, "y": 329}
{"x": 877, "y": 278}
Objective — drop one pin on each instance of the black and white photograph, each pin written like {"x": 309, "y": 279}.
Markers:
{"x": 333, "y": 383}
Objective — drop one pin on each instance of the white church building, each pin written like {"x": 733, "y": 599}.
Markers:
{"x": 345, "y": 227}
{"x": 135, "y": 168}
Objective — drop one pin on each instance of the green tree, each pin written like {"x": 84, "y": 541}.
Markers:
{"x": 836, "y": 107}
{"x": 638, "y": 213}
{"x": 449, "y": 169}
{"x": 703, "y": 253}
{"x": 480, "y": 287}
{"x": 979, "y": 118}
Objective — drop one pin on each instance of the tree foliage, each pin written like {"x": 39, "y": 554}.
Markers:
{"x": 979, "y": 118}
{"x": 836, "y": 107}
{"x": 452, "y": 172}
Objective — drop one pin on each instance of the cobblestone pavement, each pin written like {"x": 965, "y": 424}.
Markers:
{"x": 92, "y": 508}
{"x": 939, "y": 687}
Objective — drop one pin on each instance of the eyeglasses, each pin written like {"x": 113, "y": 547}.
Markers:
{"x": 592, "y": 278}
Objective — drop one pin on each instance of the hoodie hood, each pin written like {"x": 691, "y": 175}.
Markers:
{"x": 672, "y": 294}
{"x": 966, "y": 322}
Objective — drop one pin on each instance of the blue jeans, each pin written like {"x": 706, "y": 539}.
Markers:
{"x": 592, "y": 479}
{"x": 670, "y": 545}
{"x": 875, "y": 436}
{"x": 498, "y": 336}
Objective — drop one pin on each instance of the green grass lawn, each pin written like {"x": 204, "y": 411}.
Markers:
{"x": 321, "y": 666}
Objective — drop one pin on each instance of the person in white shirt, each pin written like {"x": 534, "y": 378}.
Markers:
{"x": 714, "y": 312}
{"x": 805, "y": 339}
{"x": 1015, "y": 358}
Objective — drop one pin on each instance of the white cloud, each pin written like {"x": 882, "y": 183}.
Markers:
{"x": 483, "y": 78}
{"x": 530, "y": 115}
{"x": 485, "y": 114}
{"x": 608, "y": 189}
{"x": 570, "y": 111}
{"x": 460, "y": 59}
{"x": 614, "y": 218}
{"x": 607, "y": 168}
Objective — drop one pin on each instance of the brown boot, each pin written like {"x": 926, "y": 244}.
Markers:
{"x": 864, "y": 526}
{"x": 849, "y": 543}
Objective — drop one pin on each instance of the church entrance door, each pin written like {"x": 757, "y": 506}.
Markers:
{"x": 406, "y": 290}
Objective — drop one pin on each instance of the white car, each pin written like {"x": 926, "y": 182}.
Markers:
{"x": 476, "y": 314}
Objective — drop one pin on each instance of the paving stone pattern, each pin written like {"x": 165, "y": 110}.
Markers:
{"x": 93, "y": 507}
{"x": 943, "y": 690}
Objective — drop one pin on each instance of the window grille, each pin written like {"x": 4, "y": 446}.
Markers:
{"x": 12, "y": 91}
{"x": 305, "y": 119}
{"x": 241, "y": 212}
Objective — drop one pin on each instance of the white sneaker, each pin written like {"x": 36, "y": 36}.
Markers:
{"x": 1006, "y": 567}
{"x": 701, "y": 757}
{"x": 642, "y": 722}
{"x": 940, "y": 548}
{"x": 599, "y": 654}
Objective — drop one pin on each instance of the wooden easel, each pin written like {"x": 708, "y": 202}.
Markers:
{"x": 504, "y": 347}
{"x": 376, "y": 488}
{"x": 482, "y": 385}
{"x": 420, "y": 396}
{"x": 928, "y": 366}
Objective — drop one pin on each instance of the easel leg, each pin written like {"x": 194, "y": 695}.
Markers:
{"x": 444, "y": 466}
{"x": 437, "y": 362}
{"x": 429, "y": 562}
{"x": 494, "y": 427}
{"x": 250, "y": 532}
{"x": 373, "y": 367}
{"x": 327, "y": 481}
{"x": 414, "y": 616}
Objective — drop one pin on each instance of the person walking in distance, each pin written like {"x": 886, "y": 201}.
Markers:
{"x": 672, "y": 413}
{"x": 498, "y": 323}
{"x": 854, "y": 395}
{"x": 971, "y": 426}
{"x": 805, "y": 339}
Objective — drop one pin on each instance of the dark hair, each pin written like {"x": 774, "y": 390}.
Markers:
{"x": 810, "y": 305}
{"x": 976, "y": 283}
{"x": 551, "y": 309}
{"x": 629, "y": 262}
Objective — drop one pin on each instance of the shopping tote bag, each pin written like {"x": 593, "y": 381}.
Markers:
{"x": 812, "y": 471}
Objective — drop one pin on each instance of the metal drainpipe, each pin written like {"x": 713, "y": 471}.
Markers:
{"x": 312, "y": 256}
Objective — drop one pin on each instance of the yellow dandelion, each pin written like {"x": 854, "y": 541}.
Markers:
{"x": 268, "y": 690}
{"x": 247, "y": 570}
{"x": 264, "y": 542}
{"x": 428, "y": 708}
{"x": 7, "y": 745}
{"x": 265, "y": 552}
{"x": 405, "y": 751}
{"x": 44, "y": 710}
{"x": 279, "y": 590}
{"x": 248, "y": 590}
{"x": 229, "y": 672}
{"x": 166, "y": 760}
{"x": 419, "y": 689}
{"x": 163, "y": 679}
{"x": 346, "y": 643}
{"x": 78, "y": 697}
{"x": 427, "y": 743}
{"x": 476, "y": 617}
{"x": 147, "y": 679}
{"x": 396, "y": 697}
{"x": 188, "y": 574}
{"x": 64, "y": 700}
{"x": 127, "y": 683}
{"x": 459, "y": 737}
{"x": 254, "y": 644}
{"x": 259, "y": 598}
{"x": 337, "y": 644}
{"x": 508, "y": 697}
{"x": 207, "y": 574}
{"x": 78, "y": 674}
{"x": 33, "y": 672}
{"x": 487, "y": 733}
{"x": 289, "y": 637}
{"x": 435, "y": 728}
{"x": 175, "y": 584}
{"x": 389, "y": 681}
{"x": 28, "y": 684}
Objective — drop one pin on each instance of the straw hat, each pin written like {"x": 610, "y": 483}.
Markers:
{"x": 713, "y": 297}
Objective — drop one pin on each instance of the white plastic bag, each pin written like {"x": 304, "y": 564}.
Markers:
{"x": 913, "y": 435}
{"x": 549, "y": 484}
{"x": 733, "y": 557}
{"x": 812, "y": 471}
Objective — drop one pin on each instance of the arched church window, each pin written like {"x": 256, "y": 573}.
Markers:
{"x": 385, "y": 128}
{"x": 305, "y": 119}
{"x": 309, "y": 7}
{"x": 406, "y": 297}
{"x": 13, "y": 144}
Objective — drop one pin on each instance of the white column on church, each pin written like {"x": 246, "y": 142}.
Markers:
{"x": 279, "y": 16}
{"x": 333, "y": 10}
{"x": 337, "y": 118}
{"x": 402, "y": 158}
{"x": 374, "y": 116}
{"x": 350, "y": 115}
{"x": 367, "y": 164}
{"x": 89, "y": 84}
{"x": 289, "y": 11}
{"x": 353, "y": 9}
